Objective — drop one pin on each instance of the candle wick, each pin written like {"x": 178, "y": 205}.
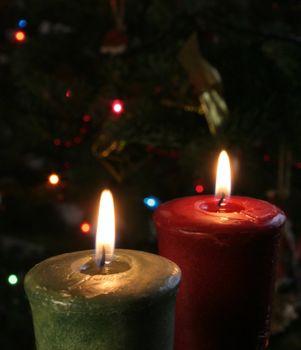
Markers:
{"x": 220, "y": 202}
{"x": 103, "y": 257}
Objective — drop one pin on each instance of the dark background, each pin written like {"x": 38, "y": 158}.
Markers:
{"x": 58, "y": 87}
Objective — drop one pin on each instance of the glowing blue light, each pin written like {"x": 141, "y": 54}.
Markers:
{"x": 22, "y": 23}
{"x": 151, "y": 202}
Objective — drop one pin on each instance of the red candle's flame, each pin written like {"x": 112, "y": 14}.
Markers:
{"x": 223, "y": 176}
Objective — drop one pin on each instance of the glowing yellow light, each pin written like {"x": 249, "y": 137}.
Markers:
{"x": 85, "y": 227}
{"x": 53, "y": 179}
{"x": 105, "y": 234}
{"x": 20, "y": 36}
{"x": 223, "y": 175}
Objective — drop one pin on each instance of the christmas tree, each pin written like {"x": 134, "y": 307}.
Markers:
{"x": 139, "y": 97}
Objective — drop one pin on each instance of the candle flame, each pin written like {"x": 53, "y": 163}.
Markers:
{"x": 223, "y": 175}
{"x": 105, "y": 234}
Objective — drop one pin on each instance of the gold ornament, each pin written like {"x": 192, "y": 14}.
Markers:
{"x": 207, "y": 82}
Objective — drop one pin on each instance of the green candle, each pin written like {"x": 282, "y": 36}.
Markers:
{"x": 129, "y": 306}
{"x": 122, "y": 300}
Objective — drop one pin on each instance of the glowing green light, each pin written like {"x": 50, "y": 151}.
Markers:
{"x": 12, "y": 279}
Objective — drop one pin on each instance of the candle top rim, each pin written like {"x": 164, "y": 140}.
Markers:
{"x": 189, "y": 214}
{"x": 59, "y": 280}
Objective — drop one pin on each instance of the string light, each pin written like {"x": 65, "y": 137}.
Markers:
{"x": 199, "y": 188}
{"x": 22, "y": 23}
{"x": 20, "y": 36}
{"x": 53, "y": 179}
{"x": 266, "y": 157}
{"x": 87, "y": 118}
{"x": 57, "y": 142}
{"x": 68, "y": 93}
{"x": 85, "y": 227}
{"x": 117, "y": 107}
{"x": 151, "y": 202}
{"x": 12, "y": 279}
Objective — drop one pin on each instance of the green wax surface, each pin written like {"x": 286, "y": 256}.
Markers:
{"x": 131, "y": 309}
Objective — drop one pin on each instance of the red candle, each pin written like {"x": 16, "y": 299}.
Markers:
{"x": 226, "y": 248}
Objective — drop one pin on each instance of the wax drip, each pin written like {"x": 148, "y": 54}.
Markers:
{"x": 220, "y": 202}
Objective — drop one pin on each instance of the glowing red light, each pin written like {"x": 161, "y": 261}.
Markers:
{"x": 199, "y": 188}
{"x": 57, "y": 142}
{"x": 20, "y": 36}
{"x": 117, "y": 107}
{"x": 266, "y": 157}
{"x": 85, "y": 227}
{"x": 87, "y": 118}
{"x": 68, "y": 93}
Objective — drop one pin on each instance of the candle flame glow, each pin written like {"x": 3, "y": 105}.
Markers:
{"x": 105, "y": 234}
{"x": 223, "y": 175}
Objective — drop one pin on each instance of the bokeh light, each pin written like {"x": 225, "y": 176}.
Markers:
{"x": 117, "y": 107}
{"x": 85, "y": 227}
{"x": 68, "y": 93}
{"x": 20, "y": 36}
{"x": 12, "y": 279}
{"x": 199, "y": 188}
{"x": 22, "y": 23}
{"x": 151, "y": 202}
{"x": 57, "y": 142}
{"x": 87, "y": 118}
{"x": 266, "y": 157}
{"x": 53, "y": 179}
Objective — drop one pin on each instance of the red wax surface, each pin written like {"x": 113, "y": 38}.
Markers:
{"x": 227, "y": 256}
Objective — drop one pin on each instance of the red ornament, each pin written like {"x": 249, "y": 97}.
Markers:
{"x": 114, "y": 42}
{"x": 117, "y": 107}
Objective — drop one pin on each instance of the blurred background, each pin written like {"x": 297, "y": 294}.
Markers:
{"x": 140, "y": 97}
